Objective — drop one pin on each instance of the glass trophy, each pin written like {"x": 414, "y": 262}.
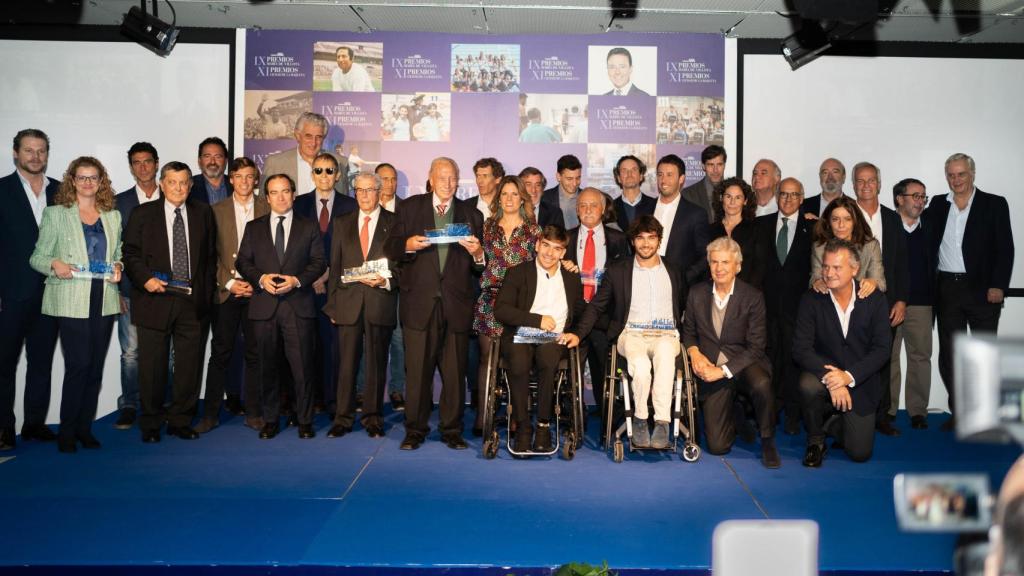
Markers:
{"x": 449, "y": 234}
{"x": 94, "y": 270}
{"x": 369, "y": 270}
{"x": 175, "y": 284}
{"x": 657, "y": 327}
{"x": 529, "y": 335}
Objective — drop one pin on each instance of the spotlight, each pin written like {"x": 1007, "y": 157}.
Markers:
{"x": 148, "y": 30}
{"x": 805, "y": 45}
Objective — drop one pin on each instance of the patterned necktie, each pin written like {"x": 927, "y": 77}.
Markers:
{"x": 325, "y": 216}
{"x": 589, "y": 261}
{"x": 441, "y": 208}
{"x": 279, "y": 241}
{"x": 364, "y": 237}
{"x": 782, "y": 241}
{"x": 179, "y": 260}
{"x": 618, "y": 92}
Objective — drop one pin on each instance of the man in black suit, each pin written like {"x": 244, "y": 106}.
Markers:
{"x": 281, "y": 256}
{"x": 389, "y": 199}
{"x": 702, "y": 192}
{"x": 534, "y": 182}
{"x": 724, "y": 337}
{"x": 887, "y": 227}
{"x": 144, "y": 163}
{"x": 973, "y": 244}
{"x": 686, "y": 233}
{"x": 562, "y": 197}
{"x": 832, "y": 175}
{"x": 539, "y": 295}
{"x": 210, "y": 186}
{"x": 438, "y": 283}
{"x": 23, "y": 194}
{"x": 841, "y": 343}
{"x": 620, "y": 73}
{"x": 629, "y": 174}
{"x": 365, "y": 311}
{"x": 170, "y": 257}
{"x": 783, "y": 247}
{"x": 646, "y": 331}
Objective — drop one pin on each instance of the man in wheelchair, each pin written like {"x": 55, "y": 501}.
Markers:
{"x": 644, "y": 298}
{"x": 541, "y": 295}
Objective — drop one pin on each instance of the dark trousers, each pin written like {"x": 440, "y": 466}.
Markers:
{"x": 855, "y": 431}
{"x": 21, "y": 324}
{"x": 886, "y": 373}
{"x": 356, "y": 342}
{"x": 438, "y": 347}
{"x": 232, "y": 317}
{"x": 186, "y": 331}
{"x": 84, "y": 343}
{"x": 595, "y": 349}
{"x": 785, "y": 373}
{"x": 956, "y": 309}
{"x": 286, "y": 332}
{"x": 325, "y": 360}
{"x": 520, "y": 359}
{"x": 718, "y": 399}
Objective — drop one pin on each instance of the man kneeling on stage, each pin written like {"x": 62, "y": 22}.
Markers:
{"x": 539, "y": 295}
{"x": 841, "y": 343}
{"x": 725, "y": 321}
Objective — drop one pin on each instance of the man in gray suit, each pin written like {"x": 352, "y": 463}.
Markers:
{"x": 297, "y": 163}
{"x": 713, "y": 158}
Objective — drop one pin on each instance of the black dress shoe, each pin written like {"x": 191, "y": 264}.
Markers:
{"x": 234, "y": 405}
{"x": 151, "y": 436}
{"x": 183, "y": 432}
{"x": 884, "y": 426}
{"x": 7, "y": 441}
{"x": 770, "y": 454}
{"x": 375, "y": 431}
{"x": 66, "y": 444}
{"x": 88, "y": 441}
{"x": 397, "y": 402}
{"x": 125, "y": 419}
{"x": 454, "y": 441}
{"x": 949, "y": 425}
{"x": 411, "y": 441}
{"x": 814, "y": 455}
{"x": 269, "y": 430}
{"x": 306, "y": 431}
{"x": 338, "y": 430}
{"x": 39, "y": 432}
{"x": 919, "y": 422}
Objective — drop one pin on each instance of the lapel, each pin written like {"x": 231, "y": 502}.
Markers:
{"x": 458, "y": 216}
{"x": 531, "y": 285}
{"x": 627, "y": 274}
{"x": 195, "y": 237}
{"x": 293, "y": 235}
{"x": 21, "y": 201}
{"x": 979, "y": 212}
{"x": 426, "y": 223}
{"x": 574, "y": 237}
{"x": 162, "y": 250}
{"x": 799, "y": 237}
{"x": 380, "y": 232}
{"x": 732, "y": 308}
{"x": 113, "y": 236}
{"x": 833, "y": 315}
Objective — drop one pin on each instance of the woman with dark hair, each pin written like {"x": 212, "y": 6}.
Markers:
{"x": 509, "y": 238}
{"x": 842, "y": 219}
{"x": 734, "y": 205}
{"x": 79, "y": 251}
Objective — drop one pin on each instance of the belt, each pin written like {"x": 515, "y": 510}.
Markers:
{"x": 955, "y": 276}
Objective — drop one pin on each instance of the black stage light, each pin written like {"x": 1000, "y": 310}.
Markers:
{"x": 148, "y": 30}
{"x": 805, "y": 45}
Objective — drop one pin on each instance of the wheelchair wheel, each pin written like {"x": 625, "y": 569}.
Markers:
{"x": 618, "y": 452}
{"x": 491, "y": 402}
{"x": 691, "y": 453}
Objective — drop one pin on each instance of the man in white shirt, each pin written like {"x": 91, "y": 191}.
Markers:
{"x": 349, "y": 76}
{"x": 487, "y": 171}
{"x": 765, "y": 180}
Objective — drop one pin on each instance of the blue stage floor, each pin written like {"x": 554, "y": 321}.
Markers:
{"x": 230, "y": 503}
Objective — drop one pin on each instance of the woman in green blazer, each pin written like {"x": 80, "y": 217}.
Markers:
{"x": 79, "y": 251}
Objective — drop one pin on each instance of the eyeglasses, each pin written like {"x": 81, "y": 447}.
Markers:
{"x": 319, "y": 171}
{"x": 84, "y": 179}
{"x": 788, "y": 195}
{"x": 919, "y": 197}
{"x": 366, "y": 190}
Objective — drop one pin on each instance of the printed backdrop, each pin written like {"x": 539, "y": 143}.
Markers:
{"x": 525, "y": 100}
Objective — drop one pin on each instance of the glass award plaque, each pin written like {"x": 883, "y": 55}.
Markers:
{"x": 449, "y": 234}
{"x": 529, "y": 335}
{"x": 368, "y": 271}
{"x": 175, "y": 284}
{"x": 94, "y": 270}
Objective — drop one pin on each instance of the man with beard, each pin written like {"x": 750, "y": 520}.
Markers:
{"x": 832, "y": 175}
{"x": 210, "y": 186}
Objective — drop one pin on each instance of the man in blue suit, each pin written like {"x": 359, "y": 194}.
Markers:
{"x": 23, "y": 195}
{"x": 210, "y": 186}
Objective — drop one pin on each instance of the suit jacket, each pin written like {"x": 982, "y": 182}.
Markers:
{"x": 61, "y": 237}
{"x": 697, "y": 194}
{"x": 18, "y": 235}
{"x": 421, "y": 280}
{"x": 515, "y": 298}
{"x": 286, "y": 162}
{"x": 870, "y": 263}
{"x": 783, "y": 283}
{"x": 812, "y": 205}
{"x": 347, "y": 302}
{"x": 308, "y": 206}
{"x": 228, "y": 238}
{"x": 548, "y": 216}
{"x": 199, "y": 191}
{"x": 988, "y": 240}
{"x": 126, "y": 202}
{"x": 894, "y": 257}
{"x": 644, "y": 206}
{"x": 744, "y": 335}
{"x": 146, "y": 250}
{"x": 688, "y": 242}
{"x": 818, "y": 340}
{"x": 550, "y": 199}
{"x": 615, "y": 294}
{"x": 633, "y": 91}
{"x": 303, "y": 258}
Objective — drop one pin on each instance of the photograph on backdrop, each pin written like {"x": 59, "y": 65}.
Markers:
{"x": 601, "y": 159}
{"x": 361, "y": 154}
{"x": 348, "y": 66}
{"x": 485, "y": 68}
{"x": 622, "y": 70}
{"x": 271, "y": 114}
{"x": 693, "y": 120}
{"x": 553, "y": 118}
{"x": 423, "y": 117}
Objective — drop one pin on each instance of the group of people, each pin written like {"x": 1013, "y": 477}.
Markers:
{"x": 702, "y": 126}
{"x": 414, "y": 121}
{"x": 485, "y": 73}
{"x": 801, "y": 310}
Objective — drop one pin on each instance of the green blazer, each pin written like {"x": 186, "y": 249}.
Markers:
{"x": 61, "y": 237}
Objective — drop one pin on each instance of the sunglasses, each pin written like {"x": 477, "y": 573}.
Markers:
{"x": 319, "y": 171}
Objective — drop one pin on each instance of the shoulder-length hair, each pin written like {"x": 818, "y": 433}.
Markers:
{"x": 525, "y": 210}
{"x": 749, "y": 200}
{"x": 66, "y": 195}
{"x": 861, "y": 230}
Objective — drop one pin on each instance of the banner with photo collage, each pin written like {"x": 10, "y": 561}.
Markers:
{"x": 406, "y": 98}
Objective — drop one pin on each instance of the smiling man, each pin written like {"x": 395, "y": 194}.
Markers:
{"x": 349, "y": 76}
{"x": 620, "y": 73}
{"x": 210, "y": 185}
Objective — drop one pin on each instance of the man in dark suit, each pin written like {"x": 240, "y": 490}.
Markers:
{"x": 210, "y": 186}
{"x": 783, "y": 247}
{"x": 724, "y": 336}
{"x": 365, "y": 311}
{"x": 562, "y": 198}
{"x": 646, "y": 332}
{"x": 832, "y": 175}
{"x": 973, "y": 243}
{"x": 629, "y": 174}
{"x": 281, "y": 256}
{"x": 620, "y": 72}
{"x": 534, "y": 182}
{"x": 841, "y": 343}
{"x": 701, "y": 192}
{"x": 438, "y": 283}
{"x": 143, "y": 162}
{"x": 887, "y": 227}
{"x": 539, "y": 295}
{"x": 686, "y": 233}
{"x": 389, "y": 199}
{"x": 323, "y": 206}
{"x": 170, "y": 257}
{"x": 23, "y": 194}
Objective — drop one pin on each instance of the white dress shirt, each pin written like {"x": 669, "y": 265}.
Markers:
{"x": 951, "y": 250}
{"x": 37, "y": 203}
{"x": 274, "y": 219}
{"x": 844, "y": 318}
{"x": 768, "y": 208}
{"x": 142, "y": 195}
{"x": 651, "y": 298}
{"x": 549, "y": 299}
{"x": 665, "y": 213}
{"x": 169, "y": 221}
{"x": 243, "y": 215}
{"x": 483, "y": 206}
{"x": 303, "y": 176}
{"x": 390, "y": 204}
{"x": 875, "y": 223}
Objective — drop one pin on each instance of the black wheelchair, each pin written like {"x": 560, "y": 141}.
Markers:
{"x": 569, "y": 413}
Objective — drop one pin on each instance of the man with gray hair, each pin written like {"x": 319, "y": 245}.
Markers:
{"x": 297, "y": 163}
{"x": 765, "y": 180}
{"x": 832, "y": 175}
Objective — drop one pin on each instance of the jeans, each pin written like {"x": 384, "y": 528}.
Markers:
{"x": 129, "y": 340}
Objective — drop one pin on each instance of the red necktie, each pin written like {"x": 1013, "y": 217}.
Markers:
{"x": 589, "y": 260}
{"x": 325, "y": 217}
{"x": 364, "y": 237}
{"x": 441, "y": 209}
